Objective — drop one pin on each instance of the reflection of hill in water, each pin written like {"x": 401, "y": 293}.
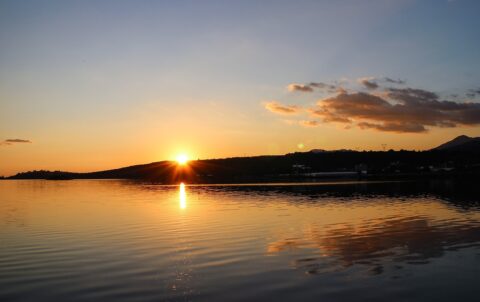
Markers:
{"x": 378, "y": 244}
{"x": 460, "y": 194}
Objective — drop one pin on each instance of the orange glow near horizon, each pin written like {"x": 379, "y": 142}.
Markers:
{"x": 83, "y": 155}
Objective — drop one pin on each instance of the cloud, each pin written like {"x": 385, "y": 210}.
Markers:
{"x": 11, "y": 141}
{"x": 310, "y": 87}
{"x": 473, "y": 93}
{"x": 373, "y": 106}
{"x": 368, "y": 82}
{"x": 276, "y": 107}
{"x": 394, "y": 127}
{"x": 310, "y": 123}
{"x": 323, "y": 86}
{"x": 299, "y": 87}
{"x": 17, "y": 140}
{"x": 390, "y": 80}
{"x": 407, "y": 110}
{"x": 341, "y": 90}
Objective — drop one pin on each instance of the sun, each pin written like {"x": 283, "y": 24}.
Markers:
{"x": 182, "y": 159}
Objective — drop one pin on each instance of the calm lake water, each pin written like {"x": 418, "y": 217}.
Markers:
{"x": 111, "y": 240}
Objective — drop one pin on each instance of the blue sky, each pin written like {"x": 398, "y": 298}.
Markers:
{"x": 91, "y": 77}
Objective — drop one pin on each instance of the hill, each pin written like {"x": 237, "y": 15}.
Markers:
{"x": 290, "y": 167}
{"x": 460, "y": 156}
{"x": 461, "y": 142}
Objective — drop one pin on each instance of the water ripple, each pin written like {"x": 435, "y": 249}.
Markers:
{"x": 124, "y": 241}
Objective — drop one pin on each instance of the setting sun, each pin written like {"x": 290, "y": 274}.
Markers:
{"x": 182, "y": 159}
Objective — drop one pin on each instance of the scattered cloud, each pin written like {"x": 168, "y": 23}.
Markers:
{"x": 310, "y": 123}
{"x": 392, "y": 81}
{"x": 324, "y": 87}
{"x": 371, "y": 83}
{"x": 310, "y": 87}
{"x": 278, "y": 108}
{"x": 389, "y": 109}
{"x": 407, "y": 111}
{"x": 368, "y": 82}
{"x": 341, "y": 90}
{"x": 299, "y": 87}
{"x": 11, "y": 141}
{"x": 471, "y": 93}
{"x": 393, "y": 127}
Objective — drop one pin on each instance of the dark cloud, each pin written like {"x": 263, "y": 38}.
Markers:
{"x": 300, "y": 87}
{"x": 394, "y": 127}
{"x": 391, "y": 109}
{"x": 390, "y": 80}
{"x": 473, "y": 93}
{"x": 369, "y": 83}
{"x": 11, "y": 141}
{"x": 409, "y": 110}
{"x": 323, "y": 86}
{"x": 17, "y": 140}
{"x": 411, "y": 95}
{"x": 311, "y": 86}
{"x": 276, "y": 107}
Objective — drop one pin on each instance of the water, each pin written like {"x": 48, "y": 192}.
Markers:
{"x": 112, "y": 240}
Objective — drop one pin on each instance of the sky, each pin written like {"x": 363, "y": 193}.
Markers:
{"x": 93, "y": 85}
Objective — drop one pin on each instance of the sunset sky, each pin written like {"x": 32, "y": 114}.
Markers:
{"x": 92, "y": 85}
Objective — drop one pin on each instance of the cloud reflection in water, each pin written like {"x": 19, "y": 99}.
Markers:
{"x": 378, "y": 243}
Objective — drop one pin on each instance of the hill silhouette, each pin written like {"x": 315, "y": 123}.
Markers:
{"x": 459, "y": 157}
{"x": 461, "y": 142}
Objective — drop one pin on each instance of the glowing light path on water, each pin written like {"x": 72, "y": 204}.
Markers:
{"x": 183, "y": 196}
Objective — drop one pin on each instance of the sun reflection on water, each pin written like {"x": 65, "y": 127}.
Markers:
{"x": 183, "y": 196}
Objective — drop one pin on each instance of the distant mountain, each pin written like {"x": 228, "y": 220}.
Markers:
{"x": 461, "y": 143}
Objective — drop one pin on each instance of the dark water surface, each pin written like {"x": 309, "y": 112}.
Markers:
{"x": 111, "y": 240}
